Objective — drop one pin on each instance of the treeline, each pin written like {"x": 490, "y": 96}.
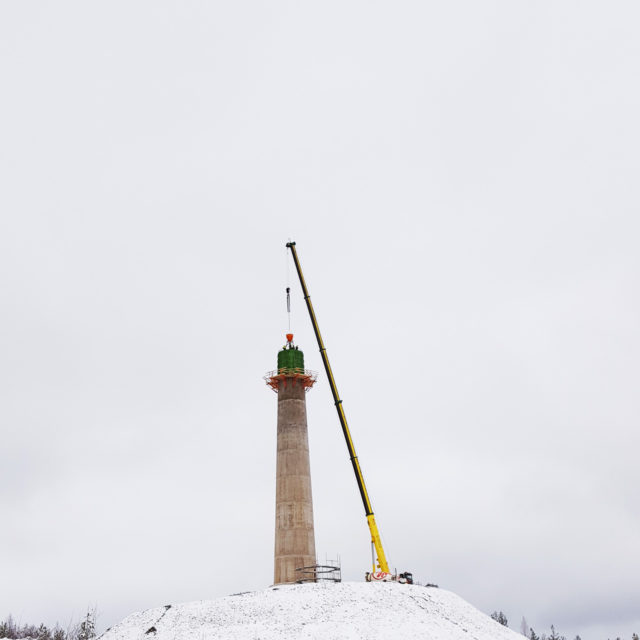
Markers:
{"x": 83, "y": 630}
{"x": 529, "y": 633}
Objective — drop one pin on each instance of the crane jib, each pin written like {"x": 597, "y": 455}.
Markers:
{"x": 373, "y": 528}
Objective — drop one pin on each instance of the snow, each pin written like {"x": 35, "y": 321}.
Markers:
{"x": 347, "y": 610}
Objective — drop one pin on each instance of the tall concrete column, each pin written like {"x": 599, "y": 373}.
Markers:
{"x": 294, "y": 535}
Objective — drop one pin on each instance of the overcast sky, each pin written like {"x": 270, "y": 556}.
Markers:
{"x": 461, "y": 179}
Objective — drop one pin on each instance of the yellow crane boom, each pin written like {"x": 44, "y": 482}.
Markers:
{"x": 371, "y": 521}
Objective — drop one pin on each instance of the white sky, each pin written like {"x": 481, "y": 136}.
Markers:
{"x": 462, "y": 182}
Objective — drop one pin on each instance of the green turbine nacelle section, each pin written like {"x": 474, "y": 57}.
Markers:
{"x": 290, "y": 360}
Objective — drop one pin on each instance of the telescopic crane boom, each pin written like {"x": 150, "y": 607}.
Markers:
{"x": 371, "y": 521}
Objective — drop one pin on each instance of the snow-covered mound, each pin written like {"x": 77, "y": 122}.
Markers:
{"x": 348, "y": 610}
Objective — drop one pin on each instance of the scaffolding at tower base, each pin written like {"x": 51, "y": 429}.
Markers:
{"x": 329, "y": 572}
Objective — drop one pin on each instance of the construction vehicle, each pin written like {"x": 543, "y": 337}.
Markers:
{"x": 380, "y": 572}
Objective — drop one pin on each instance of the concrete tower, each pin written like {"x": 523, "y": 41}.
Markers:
{"x": 295, "y": 540}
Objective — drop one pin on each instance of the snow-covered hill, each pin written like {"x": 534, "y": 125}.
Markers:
{"x": 348, "y": 610}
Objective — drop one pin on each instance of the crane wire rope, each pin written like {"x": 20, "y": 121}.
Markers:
{"x": 288, "y": 289}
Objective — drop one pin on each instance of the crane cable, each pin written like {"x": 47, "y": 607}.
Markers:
{"x": 288, "y": 289}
